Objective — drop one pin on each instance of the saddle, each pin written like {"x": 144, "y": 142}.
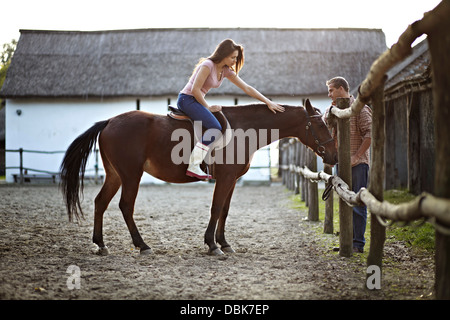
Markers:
{"x": 218, "y": 144}
{"x": 177, "y": 114}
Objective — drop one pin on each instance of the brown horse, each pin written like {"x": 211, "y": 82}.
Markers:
{"x": 137, "y": 141}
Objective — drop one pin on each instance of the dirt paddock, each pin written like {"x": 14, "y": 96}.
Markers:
{"x": 279, "y": 256}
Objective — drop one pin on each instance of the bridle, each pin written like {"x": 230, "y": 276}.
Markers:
{"x": 309, "y": 128}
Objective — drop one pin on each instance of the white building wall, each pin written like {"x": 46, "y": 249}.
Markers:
{"x": 51, "y": 125}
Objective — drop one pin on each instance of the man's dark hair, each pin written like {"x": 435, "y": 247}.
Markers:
{"x": 338, "y": 82}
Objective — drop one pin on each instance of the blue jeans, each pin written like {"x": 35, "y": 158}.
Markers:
{"x": 197, "y": 112}
{"x": 360, "y": 177}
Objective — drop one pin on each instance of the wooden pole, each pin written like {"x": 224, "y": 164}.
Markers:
{"x": 302, "y": 179}
{"x": 297, "y": 163}
{"x": 376, "y": 181}
{"x": 283, "y": 162}
{"x": 21, "y": 165}
{"x": 305, "y": 181}
{"x": 345, "y": 173}
{"x": 292, "y": 165}
{"x": 96, "y": 165}
{"x": 313, "y": 192}
{"x": 328, "y": 222}
{"x": 439, "y": 41}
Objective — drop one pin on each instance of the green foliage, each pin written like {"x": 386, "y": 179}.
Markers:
{"x": 5, "y": 61}
{"x": 8, "y": 52}
{"x": 419, "y": 237}
{"x": 398, "y": 196}
{"x": 3, "y": 70}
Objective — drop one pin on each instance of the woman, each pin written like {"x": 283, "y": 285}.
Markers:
{"x": 226, "y": 62}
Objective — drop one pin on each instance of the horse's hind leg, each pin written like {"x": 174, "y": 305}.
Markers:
{"x": 130, "y": 189}
{"x": 220, "y": 232}
{"x": 109, "y": 189}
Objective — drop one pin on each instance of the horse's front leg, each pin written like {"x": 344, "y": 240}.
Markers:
{"x": 220, "y": 232}
{"x": 210, "y": 231}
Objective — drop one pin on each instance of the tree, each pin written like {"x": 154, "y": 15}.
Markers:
{"x": 5, "y": 61}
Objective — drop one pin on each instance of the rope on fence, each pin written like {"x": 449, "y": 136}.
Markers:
{"x": 392, "y": 56}
{"x": 424, "y": 206}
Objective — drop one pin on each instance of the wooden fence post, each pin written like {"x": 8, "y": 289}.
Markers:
{"x": 292, "y": 163}
{"x": 283, "y": 160}
{"x": 305, "y": 181}
{"x": 313, "y": 192}
{"x": 376, "y": 180}
{"x": 297, "y": 164}
{"x": 439, "y": 41}
{"x": 302, "y": 178}
{"x": 21, "y": 165}
{"x": 289, "y": 163}
{"x": 345, "y": 173}
{"x": 328, "y": 221}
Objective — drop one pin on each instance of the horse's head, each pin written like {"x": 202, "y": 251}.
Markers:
{"x": 318, "y": 137}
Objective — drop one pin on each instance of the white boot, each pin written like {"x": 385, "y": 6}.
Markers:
{"x": 198, "y": 154}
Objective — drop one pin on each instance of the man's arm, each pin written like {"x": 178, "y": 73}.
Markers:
{"x": 362, "y": 149}
{"x": 365, "y": 128}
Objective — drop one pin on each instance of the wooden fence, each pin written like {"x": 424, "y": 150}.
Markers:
{"x": 46, "y": 176}
{"x": 295, "y": 163}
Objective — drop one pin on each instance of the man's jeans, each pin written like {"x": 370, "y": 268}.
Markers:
{"x": 360, "y": 175}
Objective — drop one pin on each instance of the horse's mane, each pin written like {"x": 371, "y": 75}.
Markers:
{"x": 261, "y": 106}
{"x": 255, "y": 106}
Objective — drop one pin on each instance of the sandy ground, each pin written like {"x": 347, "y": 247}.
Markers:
{"x": 279, "y": 256}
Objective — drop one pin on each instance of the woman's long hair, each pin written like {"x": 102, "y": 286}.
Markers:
{"x": 223, "y": 50}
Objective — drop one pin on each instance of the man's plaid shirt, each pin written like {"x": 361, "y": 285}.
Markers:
{"x": 360, "y": 128}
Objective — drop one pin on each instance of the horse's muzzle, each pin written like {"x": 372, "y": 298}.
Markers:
{"x": 331, "y": 160}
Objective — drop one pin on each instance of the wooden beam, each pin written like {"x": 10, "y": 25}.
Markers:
{"x": 345, "y": 173}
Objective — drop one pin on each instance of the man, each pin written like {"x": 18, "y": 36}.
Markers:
{"x": 360, "y": 140}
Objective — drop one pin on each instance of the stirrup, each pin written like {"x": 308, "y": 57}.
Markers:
{"x": 205, "y": 176}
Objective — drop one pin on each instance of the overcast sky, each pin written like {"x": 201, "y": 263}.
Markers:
{"x": 392, "y": 16}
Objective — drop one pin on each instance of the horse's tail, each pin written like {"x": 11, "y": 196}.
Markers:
{"x": 73, "y": 167}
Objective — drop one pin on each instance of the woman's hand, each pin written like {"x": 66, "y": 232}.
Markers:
{"x": 274, "y": 107}
{"x": 252, "y": 92}
{"x": 215, "y": 108}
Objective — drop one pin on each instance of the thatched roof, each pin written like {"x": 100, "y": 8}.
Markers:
{"x": 412, "y": 72}
{"x": 158, "y": 62}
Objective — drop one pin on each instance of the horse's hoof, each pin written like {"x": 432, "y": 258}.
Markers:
{"x": 146, "y": 252}
{"x": 101, "y": 251}
{"x": 228, "y": 249}
{"x": 215, "y": 252}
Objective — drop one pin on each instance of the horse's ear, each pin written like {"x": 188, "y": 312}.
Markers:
{"x": 309, "y": 107}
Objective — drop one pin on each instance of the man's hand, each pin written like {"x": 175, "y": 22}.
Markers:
{"x": 331, "y": 119}
{"x": 354, "y": 159}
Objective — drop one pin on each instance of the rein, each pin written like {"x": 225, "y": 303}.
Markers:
{"x": 309, "y": 128}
